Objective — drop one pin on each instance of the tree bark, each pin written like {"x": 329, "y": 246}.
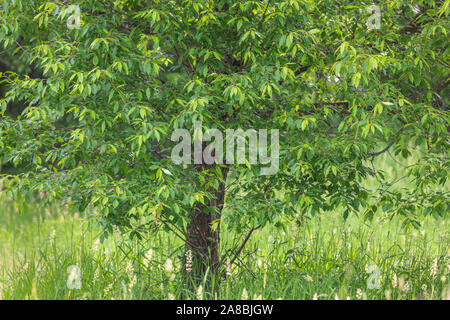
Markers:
{"x": 202, "y": 241}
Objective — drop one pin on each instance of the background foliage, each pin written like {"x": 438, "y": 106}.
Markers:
{"x": 97, "y": 106}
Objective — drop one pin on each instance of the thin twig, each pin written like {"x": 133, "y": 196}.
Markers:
{"x": 243, "y": 244}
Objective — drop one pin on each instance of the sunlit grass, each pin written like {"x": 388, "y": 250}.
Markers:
{"x": 325, "y": 258}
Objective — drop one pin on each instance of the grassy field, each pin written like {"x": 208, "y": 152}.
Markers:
{"x": 327, "y": 258}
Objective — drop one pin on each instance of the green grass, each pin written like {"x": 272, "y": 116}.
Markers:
{"x": 325, "y": 258}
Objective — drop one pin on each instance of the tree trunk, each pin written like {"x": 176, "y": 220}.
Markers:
{"x": 202, "y": 242}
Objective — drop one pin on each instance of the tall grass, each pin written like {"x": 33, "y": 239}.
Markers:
{"x": 325, "y": 258}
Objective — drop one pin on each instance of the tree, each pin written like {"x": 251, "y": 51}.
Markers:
{"x": 118, "y": 77}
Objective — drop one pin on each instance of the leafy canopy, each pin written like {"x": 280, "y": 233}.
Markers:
{"x": 97, "y": 123}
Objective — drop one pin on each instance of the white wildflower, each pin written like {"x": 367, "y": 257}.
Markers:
{"x": 403, "y": 285}
{"x": 394, "y": 281}
{"x": 434, "y": 268}
{"x": 131, "y": 275}
{"x": 359, "y": 293}
{"x": 52, "y": 235}
{"x": 424, "y": 291}
{"x": 189, "y": 261}
{"x": 244, "y": 294}
{"x": 309, "y": 278}
{"x": 107, "y": 290}
{"x": 257, "y": 297}
{"x": 168, "y": 265}
{"x": 228, "y": 268}
{"x": 317, "y": 296}
{"x": 200, "y": 293}
{"x": 148, "y": 257}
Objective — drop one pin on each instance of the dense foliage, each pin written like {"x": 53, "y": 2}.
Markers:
{"x": 97, "y": 124}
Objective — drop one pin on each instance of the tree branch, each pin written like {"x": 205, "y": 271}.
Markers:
{"x": 243, "y": 244}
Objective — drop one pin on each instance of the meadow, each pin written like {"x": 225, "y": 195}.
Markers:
{"x": 325, "y": 257}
